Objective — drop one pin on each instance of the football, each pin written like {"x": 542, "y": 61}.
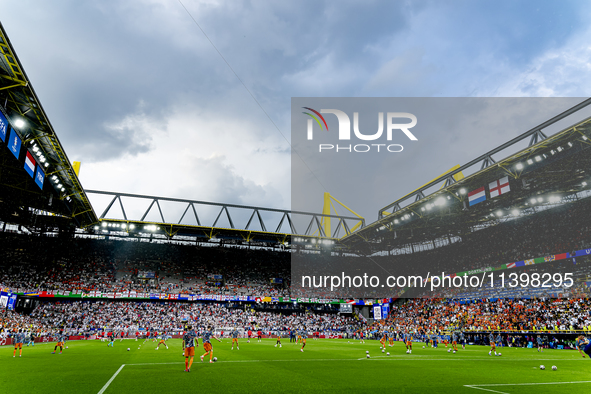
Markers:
{"x": 66, "y": 347}
{"x": 500, "y": 354}
{"x": 455, "y": 352}
{"x": 367, "y": 356}
{"x": 367, "y": 352}
{"x": 383, "y": 350}
{"x": 128, "y": 349}
{"x": 215, "y": 359}
{"x": 554, "y": 368}
{"x": 542, "y": 367}
{"x": 423, "y": 347}
{"x": 387, "y": 354}
{"x": 448, "y": 350}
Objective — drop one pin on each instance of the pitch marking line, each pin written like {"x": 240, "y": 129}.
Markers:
{"x": 376, "y": 358}
{"x": 111, "y": 380}
{"x": 481, "y": 386}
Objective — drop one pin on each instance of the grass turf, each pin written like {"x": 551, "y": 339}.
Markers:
{"x": 326, "y": 365}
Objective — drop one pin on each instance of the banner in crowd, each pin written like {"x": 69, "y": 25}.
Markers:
{"x": 523, "y": 263}
{"x": 196, "y": 297}
{"x": 225, "y": 298}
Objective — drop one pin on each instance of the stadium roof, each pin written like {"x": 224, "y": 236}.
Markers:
{"x": 60, "y": 192}
{"x": 204, "y": 221}
{"x": 551, "y": 170}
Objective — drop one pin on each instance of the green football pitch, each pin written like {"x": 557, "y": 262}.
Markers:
{"x": 326, "y": 365}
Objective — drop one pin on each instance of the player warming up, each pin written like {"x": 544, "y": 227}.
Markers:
{"x": 454, "y": 341}
{"x": 235, "y": 338}
{"x": 189, "y": 347}
{"x": 207, "y": 335}
{"x": 60, "y": 343}
{"x": 408, "y": 340}
{"x": 111, "y": 339}
{"x": 278, "y": 339}
{"x": 31, "y": 339}
{"x": 383, "y": 339}
{"x": 304, "y": 336}
{"x": 19, "y": 338}
{"x": 583, "y": 346}
{"x": 162, "y": 341}
{"x": 540, "y": 343}
{"x": 493, "y": 346}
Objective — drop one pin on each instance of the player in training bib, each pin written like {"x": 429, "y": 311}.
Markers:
{"x": 189, "y": 347}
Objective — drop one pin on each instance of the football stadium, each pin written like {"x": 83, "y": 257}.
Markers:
{"x": 488, "y": 276}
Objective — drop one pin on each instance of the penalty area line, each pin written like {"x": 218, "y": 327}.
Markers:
{"x": 111, "y": 380}
{"x": 481, "y": 386}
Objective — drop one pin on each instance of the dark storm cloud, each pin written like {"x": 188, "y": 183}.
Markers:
{"x": 114, "y": 75}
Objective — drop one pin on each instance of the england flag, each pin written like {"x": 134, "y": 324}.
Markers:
{"x": 499, "y": 187}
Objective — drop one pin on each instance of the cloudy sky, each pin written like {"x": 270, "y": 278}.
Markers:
{"x": 137, "y": 93}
